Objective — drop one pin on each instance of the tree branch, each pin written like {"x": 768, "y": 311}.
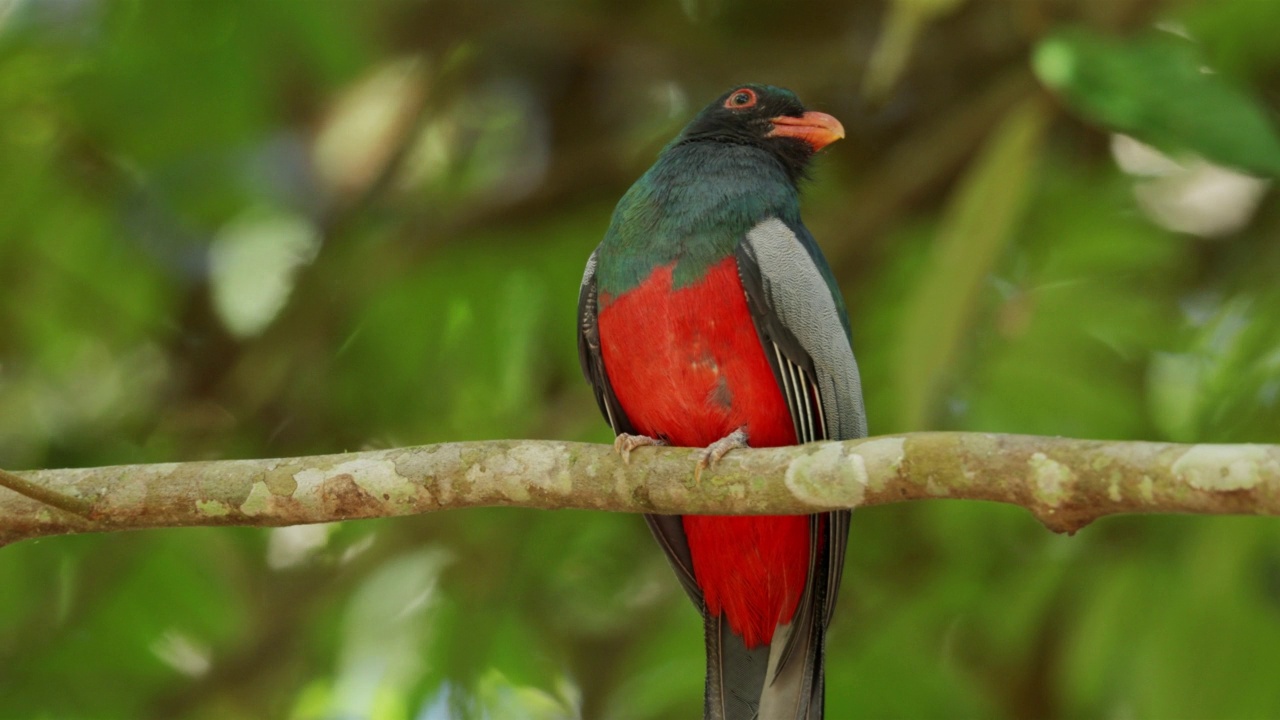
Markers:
{"x": 1065, "y": 483}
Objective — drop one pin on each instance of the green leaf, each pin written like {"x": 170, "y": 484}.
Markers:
{"x": 1157, "y": 88}
{"x": 977, "y": 227}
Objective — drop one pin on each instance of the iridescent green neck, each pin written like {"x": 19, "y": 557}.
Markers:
{"x": 692, "y": 208}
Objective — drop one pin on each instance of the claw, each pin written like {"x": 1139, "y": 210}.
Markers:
{"x": 712, "y": 453}
{"x": 626, "y": 442}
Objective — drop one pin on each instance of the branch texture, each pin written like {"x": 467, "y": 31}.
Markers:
{"x": 1065, "y": 483}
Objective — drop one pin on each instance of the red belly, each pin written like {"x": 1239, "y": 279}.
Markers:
{"x": 687, "y": 366}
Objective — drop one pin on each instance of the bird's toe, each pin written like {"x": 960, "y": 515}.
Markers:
{"x": 626, "y": 442}
{"x": 711, "y": 454}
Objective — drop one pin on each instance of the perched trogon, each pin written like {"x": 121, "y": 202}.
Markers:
{"x": 708, "y": 318}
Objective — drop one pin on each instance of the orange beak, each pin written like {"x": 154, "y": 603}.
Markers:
{"x": 817, "y": 129}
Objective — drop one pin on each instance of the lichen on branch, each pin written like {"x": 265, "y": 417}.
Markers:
{"x": 1065, "y": 483}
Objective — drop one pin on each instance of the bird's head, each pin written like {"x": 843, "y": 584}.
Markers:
{"x": 768, "y": 117}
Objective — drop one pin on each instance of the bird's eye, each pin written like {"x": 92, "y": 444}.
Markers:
{"x": 740, "y": 99}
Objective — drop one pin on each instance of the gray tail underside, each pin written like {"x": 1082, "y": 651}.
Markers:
{"x": 744, "y": 684}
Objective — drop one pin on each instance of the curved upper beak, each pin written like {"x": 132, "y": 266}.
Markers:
{"x": 816, "y": 128}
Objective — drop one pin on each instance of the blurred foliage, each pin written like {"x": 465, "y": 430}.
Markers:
{"x": 1142, "y": 86}
{"x": 252, "y": 229}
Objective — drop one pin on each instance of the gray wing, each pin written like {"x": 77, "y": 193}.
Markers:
{"x": 801, "y": 322}
{"x": 589, "y": 356}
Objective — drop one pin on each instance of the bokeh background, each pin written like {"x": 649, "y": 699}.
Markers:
{"x": 272, "y": 228}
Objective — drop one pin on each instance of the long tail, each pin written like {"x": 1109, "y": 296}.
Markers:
{"x": 746, "y": 684}
{"x": 782, "y": 680}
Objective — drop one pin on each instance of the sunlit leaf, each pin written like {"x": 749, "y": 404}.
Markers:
{"x": 254, "y": 262}
{"x": 387, "y": 626}
{"x": 1157, "y": 88}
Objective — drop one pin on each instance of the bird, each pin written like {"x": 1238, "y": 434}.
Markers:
{"x": 709, "y": 318}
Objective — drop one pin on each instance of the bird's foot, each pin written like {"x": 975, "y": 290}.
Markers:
{"x": 712, "y": 453}
{"x": 626, "y": 442}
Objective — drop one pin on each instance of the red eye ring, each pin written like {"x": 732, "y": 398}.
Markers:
{"x": 741, "y": 99}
